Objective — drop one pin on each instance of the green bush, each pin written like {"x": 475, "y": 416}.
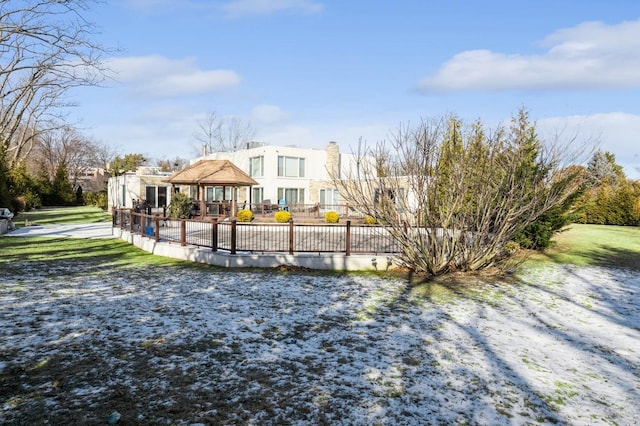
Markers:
{"x": 538, "y": 235}
{"x": 608, "y": 204}
{"x": 96, "y": 199}
{"x": 511, "y": 248}
{"x": 245, "y": 215}
{"x": 331, "y": 217}
{"x": 369, "y": 220}
{"x": 282, "y": 216}
{"x": 179, "y": 206}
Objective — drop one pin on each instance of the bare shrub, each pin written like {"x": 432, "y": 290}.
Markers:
{"x": 453, "y": 196}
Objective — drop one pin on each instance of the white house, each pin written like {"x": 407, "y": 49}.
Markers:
{"x": 296, "y": 175}
{"x": 147, "y": 183}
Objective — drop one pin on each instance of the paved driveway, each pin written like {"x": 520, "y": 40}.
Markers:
{"x": 80, "y": 230}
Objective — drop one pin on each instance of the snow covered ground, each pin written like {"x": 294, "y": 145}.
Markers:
{"x": 207, "y": 346}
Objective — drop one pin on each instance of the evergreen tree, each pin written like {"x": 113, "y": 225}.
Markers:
{"x": 602, "y": 168}
{"x": 611, "y": 199}
{"x": 62, "y": 191}
{"x": 24, "y": 188}
{"x": 128, "y": 163}
{"x": 5, "y": 194}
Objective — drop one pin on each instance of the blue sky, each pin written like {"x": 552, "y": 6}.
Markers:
{"x": 306, "y": 72}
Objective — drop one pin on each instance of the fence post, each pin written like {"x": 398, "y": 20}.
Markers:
{"x": 347, "y": 239}
{"x": 114, "y": 215}
{"x": 233, "y": 235}
{"x": 214, "y": 234}
{"x": 156, "y": 227}
{"x": 183, "y": 232}
{"x": 132, "y": 219}
{"x": 290, "y": 236}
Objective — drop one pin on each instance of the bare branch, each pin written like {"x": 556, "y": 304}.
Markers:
{"x": 454, "y": 195}
{"x": 223, "y": 134}
{"x": 45, "y": 50}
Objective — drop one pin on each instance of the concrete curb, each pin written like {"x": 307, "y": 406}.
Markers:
{"x": 322, "y": 261}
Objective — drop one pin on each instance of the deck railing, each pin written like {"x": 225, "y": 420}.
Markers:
{"x": 235, "y": 237}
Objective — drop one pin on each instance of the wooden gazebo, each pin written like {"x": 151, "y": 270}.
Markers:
{"x": 213, "y": 173}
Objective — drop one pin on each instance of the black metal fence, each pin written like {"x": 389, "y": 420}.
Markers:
{"x": 235, "y": 237}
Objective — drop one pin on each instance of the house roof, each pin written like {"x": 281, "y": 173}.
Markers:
{"x": 213, "y": 173}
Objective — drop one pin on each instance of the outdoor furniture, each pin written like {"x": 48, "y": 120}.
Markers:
{"x": 282, "y": 205}
{"x": 269, "y": 207}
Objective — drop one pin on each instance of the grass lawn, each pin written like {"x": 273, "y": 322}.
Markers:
{"x": 105, "y": 253}
{"x": 595, "y": 245}
{"x": 102, "y": 253}
{"x": 61, "y": 215}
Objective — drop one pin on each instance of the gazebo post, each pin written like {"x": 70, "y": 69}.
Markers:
{"x": 234, "y": 201}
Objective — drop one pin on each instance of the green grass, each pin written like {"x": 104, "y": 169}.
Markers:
{"x": 595, "y": 245}
{"x": 101, "y": 254}
{"x": 98, "y": 254}
{"x": 61, "y": 215}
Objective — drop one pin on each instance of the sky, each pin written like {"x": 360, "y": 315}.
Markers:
{"x": 306, "y": 72}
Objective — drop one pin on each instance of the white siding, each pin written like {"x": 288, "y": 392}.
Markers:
{"x": 315, "y": 168}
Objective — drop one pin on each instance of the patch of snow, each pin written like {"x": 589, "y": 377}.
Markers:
{"x": 559, "y": 346}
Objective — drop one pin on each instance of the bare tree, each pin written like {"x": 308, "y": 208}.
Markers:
{"x": 177, "y": 163}
{"x": 453, "y": 197}
{"x": 104, "y": 155}
{"x": 68, "y": 147}
{"x": 217, "y": 134}
{"x": 45, "y": 50}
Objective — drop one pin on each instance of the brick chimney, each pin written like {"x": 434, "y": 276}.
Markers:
{"x": 333, "y": 160}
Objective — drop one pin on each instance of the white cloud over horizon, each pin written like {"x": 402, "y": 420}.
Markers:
{"x": 588, "y": 56}
{"x": 156, "y": 76}
{"x": 615, "y": 132}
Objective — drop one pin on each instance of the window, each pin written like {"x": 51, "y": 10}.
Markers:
{"x": 156, "y": 196}
{"x": 150, "y": 193}
{"x": 329, "y": 198}
{"x": 256, "y": 166}
{"x": 291, "y": 166}
{"x": 162, "y": 196}
{"x": 257, "y": 194}
{"x": 214, "y": 193}
{"x": 291, "y": 195}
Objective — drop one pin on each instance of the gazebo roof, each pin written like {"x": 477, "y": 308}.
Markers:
{"x": 212, "y": 173}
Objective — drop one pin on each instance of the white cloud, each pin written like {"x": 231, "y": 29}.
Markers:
{"x": 240, "y": 8}
{"x": 617, "y": 132}
{"x": 157, "y": 76}
{"x": 590, "y": 55}
{"x": 268, "y": 114}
